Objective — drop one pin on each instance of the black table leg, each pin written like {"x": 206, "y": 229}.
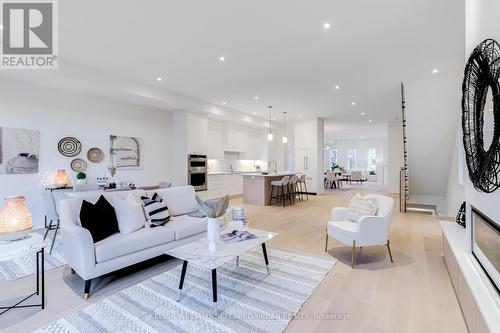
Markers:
{"x": 264, "y": 251}
{"x": 214, "y": 288}
{"x": 43, "y": 277}
{"x": 181, "y": 282}
{"x": 39, "y": 288}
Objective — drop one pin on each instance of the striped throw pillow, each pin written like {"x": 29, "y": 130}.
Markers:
{"x": 156, "y": 211}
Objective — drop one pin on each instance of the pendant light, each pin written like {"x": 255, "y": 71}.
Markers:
{"x": 270, "y": 136}
{"x": 285, "y": 139}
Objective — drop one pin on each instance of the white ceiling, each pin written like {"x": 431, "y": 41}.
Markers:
{"x": 277, "y": 50}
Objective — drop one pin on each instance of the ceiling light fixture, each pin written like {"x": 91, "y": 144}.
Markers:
{"x": 326, "y": 25}
{"x": 223, "y": 103}
{"x": 370, "y": 121}
{"x": 222, "y": 58}
{"x": 284, "y": 139}
{"x": 435, "y": 71}
{"x": 270, "y": 135}
{"x": 362, "y": 113}
{"x": 159, "y": 79}
{"x": 256, "y": 97}
{"x": 254, "y": 112}
{"x": 337, "y": 87}
{"x": 353, "y": 103}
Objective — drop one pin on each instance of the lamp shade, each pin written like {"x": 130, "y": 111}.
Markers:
{"x": 15, "y": 218}
{"x": 61, "y": 178}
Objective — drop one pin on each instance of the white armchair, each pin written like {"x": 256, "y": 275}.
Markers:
{"x": 368, "y": 231}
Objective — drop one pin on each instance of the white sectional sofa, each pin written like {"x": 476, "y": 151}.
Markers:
{"x": 91, "y": 260}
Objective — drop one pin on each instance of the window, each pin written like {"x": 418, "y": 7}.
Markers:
{"x": 333, "y": 157}
{"x": 372, "y": 159}
{"x": 351, "y": 159}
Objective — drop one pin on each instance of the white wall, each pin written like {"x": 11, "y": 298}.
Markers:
{"x": 482, "y": 21}
{"x": 394, "y": 155}
{"x": 57, "y": 114}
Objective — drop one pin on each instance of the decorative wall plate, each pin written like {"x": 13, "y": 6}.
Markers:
{"x": 482, "y": 73}
{"x": 69, "y": 146}
{"x": 95, "y": 155}
{"x": 78, "y": 165}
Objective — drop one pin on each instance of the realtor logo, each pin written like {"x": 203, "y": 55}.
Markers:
{"x": 29, "y": 36}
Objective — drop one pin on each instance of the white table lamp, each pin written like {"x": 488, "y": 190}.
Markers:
{"x": 15, "y": 219}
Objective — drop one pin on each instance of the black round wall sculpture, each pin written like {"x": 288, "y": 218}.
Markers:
{"x": 482, "y": 72}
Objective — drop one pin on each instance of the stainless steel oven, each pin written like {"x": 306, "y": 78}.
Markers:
{"x": 197, "y": 171}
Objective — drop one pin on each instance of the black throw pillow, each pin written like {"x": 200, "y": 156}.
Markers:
{"x": 99, "y": 219}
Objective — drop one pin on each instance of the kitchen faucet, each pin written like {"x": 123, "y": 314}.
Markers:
{"x": 273, "y": 163}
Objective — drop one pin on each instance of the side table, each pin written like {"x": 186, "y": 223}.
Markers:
{"x": 31, "y": 244}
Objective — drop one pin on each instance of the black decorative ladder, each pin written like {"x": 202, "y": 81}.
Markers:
{"x": 404, "y": 186}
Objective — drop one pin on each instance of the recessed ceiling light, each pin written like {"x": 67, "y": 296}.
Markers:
{"x": 274, "y": 118}
{"x": 254, "y": 112}
{"x": 362, "y": 113}
{"x": 326, "y": 25}
{"x": 223, "y": 103}
{"x": 370, "y": 121}
{"x": 159, "y": 79}
{"x": 337, "y": 87}
{"x": 353, "y": 103}
{"x": 222, "y": 58}
{"x": 256, "y": 97}
{"x": 435, "y": 71}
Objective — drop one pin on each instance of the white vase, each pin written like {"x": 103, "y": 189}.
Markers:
{"x": 212, "y": 233}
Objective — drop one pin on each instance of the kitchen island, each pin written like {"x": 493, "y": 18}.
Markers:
{"x": 257, "y": 186}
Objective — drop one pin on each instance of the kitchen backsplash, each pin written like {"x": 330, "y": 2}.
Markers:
{"x": 232, "y": 159}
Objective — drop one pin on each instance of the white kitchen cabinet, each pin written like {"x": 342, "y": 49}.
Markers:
{"x": 306, "y": 134}
{"x": 309, "y": 154}
{"x": 256, "y": 146}
{"x": 221, "y": 184}
{"x": 215, "y": 139}
{"x": 236, "y": 138}
{"x": 306, "y": 163}
{"x": 197, "y": 131}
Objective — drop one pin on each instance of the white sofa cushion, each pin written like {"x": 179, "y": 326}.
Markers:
{"x": 129, "y": 213}
{"x": 93, "y": 196}
{"x": 185, "y": 226}
{"x": 180, "y": 200}
{"x": 361, "y": 206}
{"x": 120, "y": 244}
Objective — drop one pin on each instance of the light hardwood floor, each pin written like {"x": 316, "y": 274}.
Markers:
{"x": 412, "y": 295}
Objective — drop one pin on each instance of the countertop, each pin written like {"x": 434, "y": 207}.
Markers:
{"x": 222, "y": 173}
{"x": 271, "y": 174}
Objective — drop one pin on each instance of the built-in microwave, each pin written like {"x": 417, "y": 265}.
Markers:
{"x": 197, "y": 171}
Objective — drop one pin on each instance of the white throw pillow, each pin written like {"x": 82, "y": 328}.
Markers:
{"x": 361, "y": 206}
{"x": 129, "y": 213}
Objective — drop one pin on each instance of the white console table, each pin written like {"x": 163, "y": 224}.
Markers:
{"x": 479, "y": 301}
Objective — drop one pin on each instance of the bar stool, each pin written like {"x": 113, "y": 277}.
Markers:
{"x": 302, "y": 181}
{"x": 279, "y": 184}
{"x": 293, "y": 188}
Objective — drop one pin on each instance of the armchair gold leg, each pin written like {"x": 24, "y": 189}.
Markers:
{"x": 353, "y": 253}
{"x": 326, "y": 243}
{"x": 389, "y": 250}
{"x": 86, "y": 296}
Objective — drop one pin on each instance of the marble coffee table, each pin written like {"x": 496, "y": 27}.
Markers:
{"x": 197, "y": 253}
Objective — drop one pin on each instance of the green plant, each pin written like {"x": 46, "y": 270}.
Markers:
{"x": 334, "y": 166}
{"x": 81, "y": 175}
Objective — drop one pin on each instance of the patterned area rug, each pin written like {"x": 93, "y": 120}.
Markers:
{"x": 25, "y": 265}
{"x": 250, "y": 300}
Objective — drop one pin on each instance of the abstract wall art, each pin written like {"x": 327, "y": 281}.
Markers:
{"x": 19, "y": 151}
{"x": 125, "y": 152}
